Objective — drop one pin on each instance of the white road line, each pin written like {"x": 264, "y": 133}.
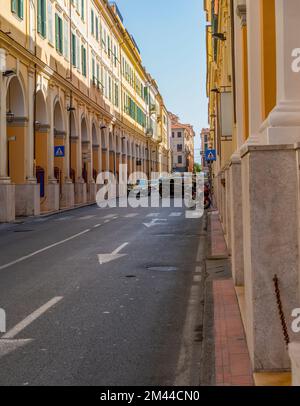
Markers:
{"x": 109, "y": 216}
{"x": 43, "y": 249}
{"x": 86, "y": 217}
{"x": 107, "y": 221}
{"x": 97, "y": 225}
{"x": 153, "y": 215}
{"x": 31, "y": 318}
{"x": 175, "y": 214}
{"x": 131, "y": 215}
{"x": 64, "y": 218}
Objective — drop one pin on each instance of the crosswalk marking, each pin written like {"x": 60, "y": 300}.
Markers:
{"x": 175, "y": 214}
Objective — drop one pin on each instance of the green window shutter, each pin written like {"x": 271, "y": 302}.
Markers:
{"x": 73, "y": 50}
{"x": 93, "y": 70}
{"x": 97, "y": 29}
{"x": 56, "y": 33}
{"x": 60, "y": 35}
{"x": 44, "y": 16}
{"x": 21, "y": 9}
{"x": 82, "y": 9}
{"x": 39, "y": 16}
{"x": 83, "y": 60}
{"x": 92, "y": 21}
{"x": 13, "y": 6}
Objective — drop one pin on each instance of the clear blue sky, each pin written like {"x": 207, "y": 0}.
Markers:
{"x": 171, "y": 37}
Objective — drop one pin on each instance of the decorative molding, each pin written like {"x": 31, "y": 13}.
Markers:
{"x": 241, "y": 11}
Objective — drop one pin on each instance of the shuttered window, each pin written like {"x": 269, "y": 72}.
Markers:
{"x": 83, "y": 60}
{"x": 58, "y": 34}
{"x": 17, "y": 7}
{"x": 74, "y": 50}
{"x": 41, "y": 17}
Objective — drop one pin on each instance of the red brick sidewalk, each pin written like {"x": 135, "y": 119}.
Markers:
{"x": 218, "y": 243}
{"x": 232, "y": 364}
{"x": 232, "y": 361}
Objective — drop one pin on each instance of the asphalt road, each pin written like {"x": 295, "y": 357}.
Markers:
{"x": 76, "y": 315}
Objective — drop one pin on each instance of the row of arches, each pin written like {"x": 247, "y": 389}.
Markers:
{"x": 70, "y": 145}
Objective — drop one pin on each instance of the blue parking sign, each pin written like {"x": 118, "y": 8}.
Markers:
{"x": 59, "y": 151}
{"x": 210, "y": 155}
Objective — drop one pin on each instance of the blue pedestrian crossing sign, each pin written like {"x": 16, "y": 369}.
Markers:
{"x": 210, "y": 155}
{"x": 59, "y": 151}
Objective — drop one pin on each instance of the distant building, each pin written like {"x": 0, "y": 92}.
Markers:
{"x": 182, "y": 145}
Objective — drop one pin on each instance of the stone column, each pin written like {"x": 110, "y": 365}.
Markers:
{"x": 28, "y": 194}
{"x": 283, "y": 124}
{"x": 7, "y": 190}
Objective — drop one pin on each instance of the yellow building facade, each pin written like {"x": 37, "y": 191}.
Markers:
{"x": 253, "y": 86}
{"x": 74, "y": 101}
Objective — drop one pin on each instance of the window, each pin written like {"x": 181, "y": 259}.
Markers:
{"x": 58, "y": 34}
{"x": 97, "y": 29}
{"x": 17, "y": 7}
{"x": 179, "y": 134}
{"x": 93, "y": 71}
{"x": 92, "y": 22}
{"x": 179, "y": 147}
{"x": 41, "y": 17}
{"x": 179, "y": 159}
{"x": 73, "y": 49}
{"x": 173, "y": 135}
{"x": 82, "y": 9}
{"x": 50, "y": 22}
{"x": 116, "y": 95}
{"x": 83, "y": 60}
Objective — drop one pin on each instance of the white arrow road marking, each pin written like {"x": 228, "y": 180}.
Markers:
{"x": 43, "y": 249}
{"x": 8, "y": 343}
{"x": 105, "y": 258}
{"x": 31, "y": 318}
{"x": 155, "y": 222}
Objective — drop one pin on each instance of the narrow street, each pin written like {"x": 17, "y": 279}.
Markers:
{"x": 103, "y": 297}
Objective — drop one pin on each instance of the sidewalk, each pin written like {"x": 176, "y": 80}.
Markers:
{"x": 232, "y": 361}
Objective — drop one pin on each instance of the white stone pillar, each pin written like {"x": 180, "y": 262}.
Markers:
{"x": 283, "y": 124}
{"x": 254, "y": 69}
{"x": 51, "y": 133}
{"x": 29, "y": 148}
{"x": 3, "y": 132}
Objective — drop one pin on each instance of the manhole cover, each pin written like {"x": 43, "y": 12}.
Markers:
{"x": 162, "y": 268}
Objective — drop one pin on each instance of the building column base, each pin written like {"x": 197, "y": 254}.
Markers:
{"x": 270, "y": 179}
{"x": 91, "y": 192}
{"x": 7, "y": 202}
{"x": 67, "y": 198}
{"x": 80, "y": 192}
{"x": 294, "y": 352}
{"x": 236, "y": 210}
{"x": 28, "y": 199}
{"x": 52, "y": 198}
